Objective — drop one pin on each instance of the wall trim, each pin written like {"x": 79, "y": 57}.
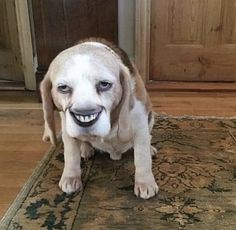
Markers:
{"x": 25, "y": 40}
{"x": 126, "y": 20}
{"x": 142, "y": 37}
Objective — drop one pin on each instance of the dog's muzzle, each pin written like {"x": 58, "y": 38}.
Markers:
{"x": 86, "y": 117}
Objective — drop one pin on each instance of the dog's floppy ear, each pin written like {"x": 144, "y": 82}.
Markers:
{"x": 127, "y": 103}
{"x": 48, "y": 110}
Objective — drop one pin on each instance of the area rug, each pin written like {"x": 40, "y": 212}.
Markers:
{"x": 195, "y": 169}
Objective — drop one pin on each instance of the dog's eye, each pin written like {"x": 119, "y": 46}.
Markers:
{"x": 103, "y": 86}
{"x": 64, "y": 89}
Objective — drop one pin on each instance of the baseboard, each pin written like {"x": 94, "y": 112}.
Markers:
{"x": 11, "y": 85}
{"x": 191, "y": 86}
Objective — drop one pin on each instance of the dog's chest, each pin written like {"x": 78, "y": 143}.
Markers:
{"x": 111, "y": 146}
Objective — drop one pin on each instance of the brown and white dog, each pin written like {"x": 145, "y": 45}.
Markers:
{"x": 103, "y": 104}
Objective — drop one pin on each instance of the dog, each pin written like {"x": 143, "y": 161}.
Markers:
{"x": 103, "y": 105}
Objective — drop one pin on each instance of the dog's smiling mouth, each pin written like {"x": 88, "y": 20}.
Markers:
{"x": 86, "y": 118}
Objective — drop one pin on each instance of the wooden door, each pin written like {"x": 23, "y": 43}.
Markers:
{"x": 10, "y": 55}
{"x": 60, "y": 24}
{"x": 193, "y": 40}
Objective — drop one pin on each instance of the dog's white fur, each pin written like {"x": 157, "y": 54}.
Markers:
{"x": 124, "y": 122}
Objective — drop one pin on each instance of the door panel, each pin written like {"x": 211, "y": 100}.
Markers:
{"x": 10, "y": 56}
{"x": 70, "y": 21}
{"x": 185, "y": 22}
{"x": 193, "y": 40}
{"x": 230, "y": 22}
{"x": 60, "y": 24}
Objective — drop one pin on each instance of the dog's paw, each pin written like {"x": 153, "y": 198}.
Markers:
{"x": 153, "y": 151}
{"x": 86, "y": 151}
{"x": 145, "y": 188}
{"x": 115, "y": 156}
{"x": 70, "y": 184}
{"x": 48, "y": 136}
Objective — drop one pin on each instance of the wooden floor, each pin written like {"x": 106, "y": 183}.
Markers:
{"x": 21, "y": 126}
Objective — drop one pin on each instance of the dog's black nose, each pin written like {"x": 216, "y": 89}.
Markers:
{"x": 85, "y": 111}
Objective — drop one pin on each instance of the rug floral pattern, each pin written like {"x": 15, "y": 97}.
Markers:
{"x": 195, "y": 169}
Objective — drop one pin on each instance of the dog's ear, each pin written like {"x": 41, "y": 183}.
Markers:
{"x": 126, "y": 104}
{"x": 48, "y": 110}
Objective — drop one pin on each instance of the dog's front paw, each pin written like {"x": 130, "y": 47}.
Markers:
{"x": 70, "y": 184}
{"x": 145, "y": 187}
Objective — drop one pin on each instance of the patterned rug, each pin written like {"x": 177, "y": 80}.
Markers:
{"x": 195, "y": 169}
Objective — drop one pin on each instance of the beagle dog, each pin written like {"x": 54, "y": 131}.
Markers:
{"x": 103, "y": 105}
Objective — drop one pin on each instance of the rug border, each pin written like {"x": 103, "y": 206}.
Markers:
{"x": 17, "y": 202}
{"x": 165, "y": 115}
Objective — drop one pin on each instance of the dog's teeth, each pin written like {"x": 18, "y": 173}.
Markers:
{"x": 81, "y": 118}
{"x": 86, "y": 119}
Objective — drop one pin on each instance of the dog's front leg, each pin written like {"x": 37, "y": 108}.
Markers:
{"x": 145, "y": 185}
{"x": 71, "y": 178}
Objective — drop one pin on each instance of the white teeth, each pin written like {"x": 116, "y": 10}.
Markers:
{"x": 81, "y": 118}
{"x": 87, "y": 118}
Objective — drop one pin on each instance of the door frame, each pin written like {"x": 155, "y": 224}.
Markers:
{"x": 126, "y": 14}
{"x": 142, "y": 37}
{"x": 26, "y": 44}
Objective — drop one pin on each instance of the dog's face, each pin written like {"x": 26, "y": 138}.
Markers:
{"x": 87, "y": 89}
{"x": 88, "y": 85}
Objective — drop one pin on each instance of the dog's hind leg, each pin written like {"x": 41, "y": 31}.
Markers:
{"x": 87, "y": 151}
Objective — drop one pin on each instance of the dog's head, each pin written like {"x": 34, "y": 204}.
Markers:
{"x": 92, "y": 86}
